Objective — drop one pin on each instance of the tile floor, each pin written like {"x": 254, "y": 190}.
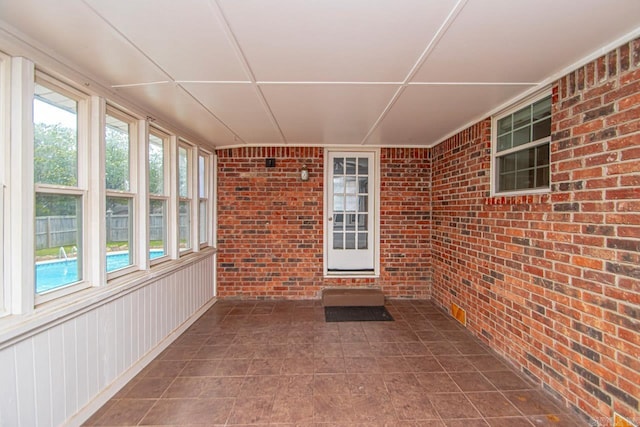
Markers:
{"x": 279, "y": 363}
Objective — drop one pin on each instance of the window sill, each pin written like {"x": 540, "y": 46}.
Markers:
{"x": 17, "y": 327}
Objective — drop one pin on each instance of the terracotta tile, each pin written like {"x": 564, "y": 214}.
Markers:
{"x": 332, "y": 384}
{"x": 125, "y": 412}
{"x": 437, "y": 382}
{"x": 532, "y": 402}
{"x": 454, "y": 405}
{"x": 362, "y": 364}
{"x": 149, "y": 388}
{"x": 393, "y": 364}
{"x": 474, "y": 422}
{"x": 487, "y": 363}
{"x": 232, "y": 367}
{"x": 493, "y": 404}
{"x": 507, "y": 380}
{"x": 384, "y": 349}
{"x": 414, "y": 407}
{"x": 251, "y": 410}
{"x": 366, "y": 384}
{"x": 329, "y": 349}
{"x": 218, "y": 387}
{"x": 211, "y": 352}
{"x": 265, "y": 367}
{"x": 374, "y": 408}
{"x": 438, "y": 348}
{"x": 413, "y": 349}
{"x": 297, "y": 365}
{"x": 469, "y": 347}
{"x": 429, "y": 335}
{"x": 472, "y": 381}
{"x": 555, "y": 420}
{"x": 512, "y": 422}
{"x": 292, "y": 410}
{"x": 179, "y": 353}
{"x": 329, "y": 365}
{"x": 295, "y": 386}
{"x": 357, "y": 349}
{"x": 332, "y": 408}
{"x": 93, "y": 419}
{"x": 423, "y": 364}
{"x": 185, "y": 387}
{"x": 196, "y": 411}
{"x": 456, "y": 364}
{"x": 200, "y": 368}
{"x": 164, "y": 368}
{"x": 403, "y": 384}
{"x": 259, "y": 386}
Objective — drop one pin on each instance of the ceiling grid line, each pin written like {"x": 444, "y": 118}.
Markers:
{"x": 455, "y": 11}
{"x": 245, "y": 64}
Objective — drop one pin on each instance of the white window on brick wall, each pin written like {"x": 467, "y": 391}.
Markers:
{"x": 520, "y": 147}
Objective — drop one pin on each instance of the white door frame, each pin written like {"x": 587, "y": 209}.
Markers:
{"x": 374, "y": 191}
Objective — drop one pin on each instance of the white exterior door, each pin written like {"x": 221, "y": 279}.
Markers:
{"x": 350, "y": 208}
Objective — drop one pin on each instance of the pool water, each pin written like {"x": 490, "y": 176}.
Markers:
{"x": 53, "y": 274}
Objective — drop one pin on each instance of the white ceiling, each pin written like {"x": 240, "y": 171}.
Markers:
{"x": 320, "y": 72}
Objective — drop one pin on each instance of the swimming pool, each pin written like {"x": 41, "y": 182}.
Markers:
{"x": 53, "y": 274}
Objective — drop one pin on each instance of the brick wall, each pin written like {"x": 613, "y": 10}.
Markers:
{"x": 270, "y": 229}
{"x": 553, "y": 281}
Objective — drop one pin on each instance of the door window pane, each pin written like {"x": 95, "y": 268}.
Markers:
{"x": 55, "y": 128}
{"x": 58, "y": 260}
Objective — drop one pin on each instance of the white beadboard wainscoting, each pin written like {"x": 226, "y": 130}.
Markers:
{"x": 63, "y": 370}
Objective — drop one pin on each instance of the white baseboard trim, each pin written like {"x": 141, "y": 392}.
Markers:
{"x": 108, "y": 392}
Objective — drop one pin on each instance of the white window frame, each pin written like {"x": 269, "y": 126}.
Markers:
{"x": 132, "y": 194}
{"x": 165, "y": 197}
{"x": 189, "y": 199}
{"x": 206, "y": 199}
{"x": 376, "y": 214}
{"x": 4, "y": 164}
{"x": 83, "y": 101}
{"x": 495, "y": 155}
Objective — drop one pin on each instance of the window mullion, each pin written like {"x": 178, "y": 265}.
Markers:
{"x": 172, "y": 214}
{"x": 20, "y": 198}
{"x": 141, "y": 210}
{"x": 96, "y": 271}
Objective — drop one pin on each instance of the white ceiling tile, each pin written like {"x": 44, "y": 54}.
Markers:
{"x": 184, "y": 37}
{"x": 72, "y": 30}
{"x": 423, "y": 114}
{"x": 525, "y": 41}
{"x": 172, "y": 102}
{"x": 334, "y": 40}
{"x": 327, "y": 114}
{"x": 239, "y": 106}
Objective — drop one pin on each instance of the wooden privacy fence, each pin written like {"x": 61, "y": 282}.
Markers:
{"x": 56, "y": 231}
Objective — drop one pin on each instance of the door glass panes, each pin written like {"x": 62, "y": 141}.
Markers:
{"x": 55, "y": 128}
{"x": 119, "y": 227}
{"x": 117, "y": 152}
{"x": 350, "y": 203}
{"x": 58, "y": 241}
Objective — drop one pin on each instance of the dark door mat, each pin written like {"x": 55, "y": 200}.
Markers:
{"x": 357, "y": 314}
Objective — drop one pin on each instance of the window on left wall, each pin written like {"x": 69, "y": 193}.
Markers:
{"x": 120, "y": 182}
{"x": 60, "y": 185}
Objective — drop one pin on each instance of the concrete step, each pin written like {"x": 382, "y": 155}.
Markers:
{"x": 352, "y": 297}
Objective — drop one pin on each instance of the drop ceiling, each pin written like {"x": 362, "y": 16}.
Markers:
{"x": 319, "y": 72}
